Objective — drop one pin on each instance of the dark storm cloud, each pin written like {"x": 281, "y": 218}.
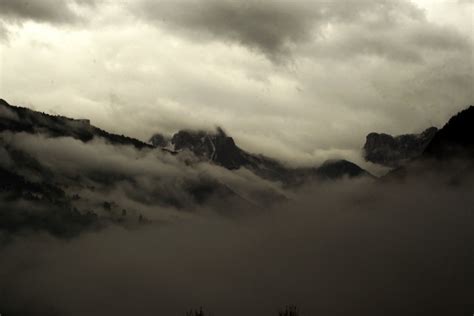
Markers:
{"x": 51, "y": 11}
{"x": 268, "y": 27}
{"x": 276, "y": 28}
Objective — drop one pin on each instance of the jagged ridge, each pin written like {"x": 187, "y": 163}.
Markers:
{"x": 219, "y": 148}
{"x": 394, "y": 151}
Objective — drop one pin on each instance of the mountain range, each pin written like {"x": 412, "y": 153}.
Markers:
{"x": 65, "y": 175}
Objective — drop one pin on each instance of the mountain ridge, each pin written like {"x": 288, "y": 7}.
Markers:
{"x": 455, "y": 139}
{"x": 216, "y": 147}
{"x": 218, "y": 175}
{"x": 394, "y": 151}
{"x": 221, "y": 149}
{"x": 103, "y": 181}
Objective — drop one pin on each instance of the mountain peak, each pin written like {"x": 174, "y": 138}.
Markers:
{"x": 214, "y": 146}
{"x": 218, "y": 147}
{"x": 393, "y": 151}
{"x": 337, "y": 168}
{"x": 455, "y": 139}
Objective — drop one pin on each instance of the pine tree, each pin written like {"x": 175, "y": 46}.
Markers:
{"x": 290, "y": 310}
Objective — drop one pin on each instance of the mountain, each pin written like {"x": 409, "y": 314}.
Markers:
{"x": 28, "y": 205}
{"x": 450, "y": 153}
{"x": 216, "y": 147}
{"x": 18, "y": 119}
{"x": 65, "y": 175}
{"x": 455, "y": 139}
{"x": 394, "y": 151}
{"x": 219, "y": 148}
{"x": 334, "y": 169}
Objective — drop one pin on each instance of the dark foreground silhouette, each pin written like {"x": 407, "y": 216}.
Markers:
{"x": 290, "y": 310}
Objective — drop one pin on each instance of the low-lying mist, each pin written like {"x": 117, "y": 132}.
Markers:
{"x": 349, "y": 247}
{"x": 152, "y": 183}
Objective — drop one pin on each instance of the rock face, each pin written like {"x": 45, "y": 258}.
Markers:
{"x": 216, "y": 147}
{"x": 393, "y": 151}
{"x": 450, "y": 152}
{"x": 219, "y": 148}
{"x": 455, "y": 139}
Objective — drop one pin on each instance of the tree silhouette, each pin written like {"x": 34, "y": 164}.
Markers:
{"x": 195, "y": 312}
{"x": 290, "y": 310}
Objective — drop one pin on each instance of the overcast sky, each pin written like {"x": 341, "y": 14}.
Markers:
{"x": 299, "y": 80}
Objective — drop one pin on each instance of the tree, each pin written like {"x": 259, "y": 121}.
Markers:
{"x": 290, "y": 310}
{"x": 195, "y": 312}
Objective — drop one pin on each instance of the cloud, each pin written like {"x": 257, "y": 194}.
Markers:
{"x": 279, "y": 29}
{"x": 268, "y": 27}
{"x": 391, "y": 67}
{"x": 43, "y": 11}
{"x": 413, "y": 42}
{"x": 3, "y": 32}
{"x": 156, "y": 184}
{"x": 368, "y": 249}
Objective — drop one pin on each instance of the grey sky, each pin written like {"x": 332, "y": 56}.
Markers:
{"x": 298, "y": 80}
{"x": 51, "y": 11}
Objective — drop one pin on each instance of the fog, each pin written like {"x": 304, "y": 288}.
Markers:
{"x": 150, "y": 182}
{"x": 392, "y": 247}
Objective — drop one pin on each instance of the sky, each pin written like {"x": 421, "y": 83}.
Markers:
{"x": 300, "y": 80}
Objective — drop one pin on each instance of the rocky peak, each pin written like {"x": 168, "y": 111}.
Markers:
{"x": 215, "y": 146}
{"x": 393, "y": 151}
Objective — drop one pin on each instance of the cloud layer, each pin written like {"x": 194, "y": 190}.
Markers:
{"x": 334, "y": 28}
{"x": 397, "y": 248}
{"x": 298, "y": 80}
{"x": 152, "y": 183}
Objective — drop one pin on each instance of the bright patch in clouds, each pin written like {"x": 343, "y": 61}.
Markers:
{"x": 298, "y": 80}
